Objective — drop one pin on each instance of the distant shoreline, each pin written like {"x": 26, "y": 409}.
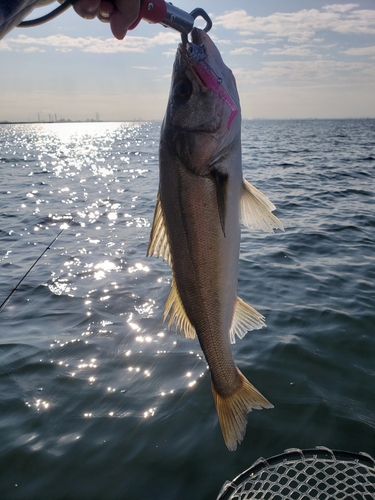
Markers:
{"x": 67, "y": 122}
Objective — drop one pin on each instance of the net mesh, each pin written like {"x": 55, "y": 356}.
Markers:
{"x": 320, "y": 474}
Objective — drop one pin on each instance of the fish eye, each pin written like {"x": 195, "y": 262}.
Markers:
{"x": 182, "y": 90}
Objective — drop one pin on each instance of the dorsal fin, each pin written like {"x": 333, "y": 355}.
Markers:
{"x": 256, "y": 210}
{"x": 158, "y": 244}
{"x": 245, "y": 318}
{"x": 178, "y": 313}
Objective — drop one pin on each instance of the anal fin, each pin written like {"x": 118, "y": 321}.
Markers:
{"x": 178, "y": 314}
{"x": 245, "y": 318}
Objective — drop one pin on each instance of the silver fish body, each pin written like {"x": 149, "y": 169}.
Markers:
{"x": 196, "y": 228}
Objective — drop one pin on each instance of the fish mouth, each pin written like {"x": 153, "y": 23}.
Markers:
{"x": 208, "y": 70}
{"x": 185, "y": 60}
{"x": 197, "y": 36}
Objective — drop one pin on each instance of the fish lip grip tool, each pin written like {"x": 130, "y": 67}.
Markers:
{"x": 170, "y": 16}
{"x": 153, "y": 11}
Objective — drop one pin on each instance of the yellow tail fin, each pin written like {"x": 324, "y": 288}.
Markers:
{"x": 232, "y": 411}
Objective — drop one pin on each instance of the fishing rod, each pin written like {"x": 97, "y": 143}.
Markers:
{"x": 35, "y": 263}
{"x": 48, "y": 17}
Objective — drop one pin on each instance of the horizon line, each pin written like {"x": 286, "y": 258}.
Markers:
{"x": 141, "y": 120}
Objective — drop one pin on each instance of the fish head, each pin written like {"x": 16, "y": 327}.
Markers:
{"x": 203, "y": 115}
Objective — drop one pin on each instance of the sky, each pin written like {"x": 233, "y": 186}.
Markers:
{"x": 291, "y": 59}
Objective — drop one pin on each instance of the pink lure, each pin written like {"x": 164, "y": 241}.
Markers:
{"x": 210, "y": 78}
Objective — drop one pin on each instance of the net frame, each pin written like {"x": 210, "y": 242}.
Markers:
{"x": 318, "y": 473}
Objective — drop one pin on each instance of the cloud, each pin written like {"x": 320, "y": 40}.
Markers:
{"x": 297, "y": 50}
{"x": 310, "y": 73}
{"x": 33, "y": 49}
{"x": 220, "y": 41}
{"x": 244, "y": 51}
{"x": 339, "y": 7}
{"x": 360, "y": 51}
{"x": 4, "y": 46}
{"x": 169, "y": 52}
{"x": 260, "y": 41}
{"x": 145, "y": 68}
{"x": 301, "y": 26}
{"x": 64, "y": 43}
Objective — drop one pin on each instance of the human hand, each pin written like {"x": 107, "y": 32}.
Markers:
{"x": 119, "y": 13}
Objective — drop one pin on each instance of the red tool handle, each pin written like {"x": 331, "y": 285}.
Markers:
{"x": 153, "y": 11}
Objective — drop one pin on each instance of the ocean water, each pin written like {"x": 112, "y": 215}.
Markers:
{"x": 98, "y": 400}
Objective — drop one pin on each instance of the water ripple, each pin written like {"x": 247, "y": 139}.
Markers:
{"x": 96, "y": 396}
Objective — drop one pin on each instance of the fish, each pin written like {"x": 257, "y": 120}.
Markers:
{"x": 201, "y": 200}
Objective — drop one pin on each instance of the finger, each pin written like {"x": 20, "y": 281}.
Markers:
{"x": 124, "y": 16}
{"x": 106, "y": 10}
{"x": 88, "y": 9}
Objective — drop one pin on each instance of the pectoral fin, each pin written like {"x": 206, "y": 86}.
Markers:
{"x": 178, "y": 314}
{"x": 245, "y": 318}
{"x": 158, "y": 244}
{"x": 221, "y": 182}
{"x": 256, "y": 210}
